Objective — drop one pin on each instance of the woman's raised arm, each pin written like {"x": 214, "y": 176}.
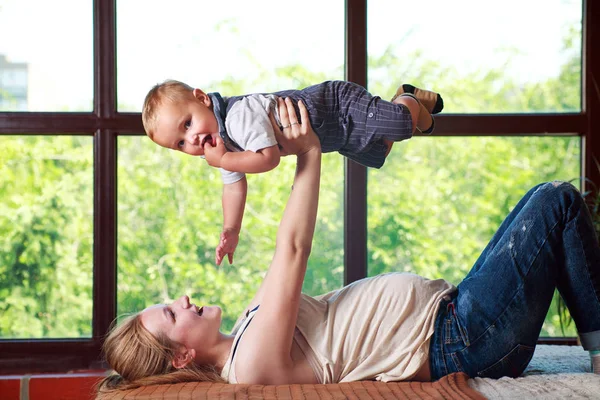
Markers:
{"x": 264, "y": 353}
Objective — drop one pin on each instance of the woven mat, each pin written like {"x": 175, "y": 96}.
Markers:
{"x": 555, "y": 373}
{"x": 454, "y": 387}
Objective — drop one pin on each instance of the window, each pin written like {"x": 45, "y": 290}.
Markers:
{"x": 91, "y": 209}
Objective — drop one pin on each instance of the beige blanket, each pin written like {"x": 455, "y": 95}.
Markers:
{"x": 555, "y": 372}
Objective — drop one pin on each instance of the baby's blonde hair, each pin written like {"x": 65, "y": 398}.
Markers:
{"x": 169, "y": 90}
{"x": 138, "y": 358}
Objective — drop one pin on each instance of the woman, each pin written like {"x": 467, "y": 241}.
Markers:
{"x": 395, "y": 326}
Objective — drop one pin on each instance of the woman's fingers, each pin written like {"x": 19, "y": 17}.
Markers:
{"x": 287, "y": 115}
{"x": 278, "y": 135}
{"x": 280, "y": 131}
{"x": 291, "y": 111}
{"x": 283, "y": 113}
{"x": 289, "y": 120}
{"x": 296, "y": 127}
{"x": 295, "y": 137}
{"x": 304, "y": 117}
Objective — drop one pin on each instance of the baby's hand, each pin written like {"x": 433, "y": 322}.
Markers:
{"x": 213, "y": 154}
{"x": 227, "y": 245}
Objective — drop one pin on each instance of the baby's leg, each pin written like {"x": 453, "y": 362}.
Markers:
{"x": 432, "y": 101}
{"x": 422, "y": 119}
{"x": 389, "y": 145}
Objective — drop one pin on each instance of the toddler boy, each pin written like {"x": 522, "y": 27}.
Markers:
{"x": 345, "y": 116}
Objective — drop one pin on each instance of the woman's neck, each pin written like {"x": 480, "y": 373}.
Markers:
{"x": 222, "y": 351}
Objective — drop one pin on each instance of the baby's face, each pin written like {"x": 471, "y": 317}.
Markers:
{"x": 187, "y": 126}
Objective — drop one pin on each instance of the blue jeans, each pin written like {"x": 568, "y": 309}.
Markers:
{"x": 492, "y": 323}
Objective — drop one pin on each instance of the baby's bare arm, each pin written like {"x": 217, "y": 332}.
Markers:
{"x": 251, "y": 162}
{"x": 233, "y": 202}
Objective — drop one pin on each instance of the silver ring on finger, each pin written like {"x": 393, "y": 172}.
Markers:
{"x": 294, "y": 123}
{"x": 287, "y": 126}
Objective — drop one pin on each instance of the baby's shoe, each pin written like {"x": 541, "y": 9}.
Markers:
{"x": 425, "y": 122}
{"x": 432, "y": 101}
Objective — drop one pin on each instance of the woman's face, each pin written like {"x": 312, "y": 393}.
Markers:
{"x": 183, "y": 322}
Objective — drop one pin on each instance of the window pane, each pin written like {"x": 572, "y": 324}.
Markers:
{"x": 170, "y": 220}
{"x": 437, "y": 201}
{"x": 483, "y": 57}
{"x": 46, "y": 236}
{"x": 48, "y": 68}
{"x": 231, "y": 47}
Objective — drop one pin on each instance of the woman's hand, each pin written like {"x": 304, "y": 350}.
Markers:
{"x": 296, "y": 137}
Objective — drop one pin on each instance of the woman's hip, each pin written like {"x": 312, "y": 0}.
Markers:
{"x": 503, "y": 349}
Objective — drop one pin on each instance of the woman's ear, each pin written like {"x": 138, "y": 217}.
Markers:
{"x": 183, "y": 358}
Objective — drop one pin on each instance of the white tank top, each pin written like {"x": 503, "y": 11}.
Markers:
{"x": 375, "y": 328}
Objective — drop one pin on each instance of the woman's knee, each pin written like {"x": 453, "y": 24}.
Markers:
{"x": 560, "y": 192}
{"x": 557, "y": 188}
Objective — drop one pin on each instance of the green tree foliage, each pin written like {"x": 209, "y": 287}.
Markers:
{"x": 46, "y": 229}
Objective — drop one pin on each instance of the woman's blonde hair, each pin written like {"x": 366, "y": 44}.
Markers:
{"x": 169, "y": 90}
{"x": 138, "y": 358}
